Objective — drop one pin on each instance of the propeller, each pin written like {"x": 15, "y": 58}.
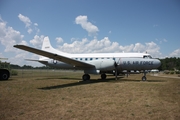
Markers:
{"x": 116, "y": 68}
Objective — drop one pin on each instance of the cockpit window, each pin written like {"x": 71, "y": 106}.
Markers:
{"x": 147, "y": 56}
{"x": 144, "y": 56}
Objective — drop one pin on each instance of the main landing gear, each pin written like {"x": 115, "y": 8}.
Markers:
{"x": 86, "y": 77}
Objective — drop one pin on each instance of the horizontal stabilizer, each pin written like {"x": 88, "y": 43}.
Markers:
{"x": 41, "y": 61}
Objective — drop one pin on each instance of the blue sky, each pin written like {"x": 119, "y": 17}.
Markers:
{"x": 80, "y": 26}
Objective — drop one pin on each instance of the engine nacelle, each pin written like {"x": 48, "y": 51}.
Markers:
{"x": 103, "y": 64}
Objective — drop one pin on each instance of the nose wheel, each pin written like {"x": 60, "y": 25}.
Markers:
{"x": 144, "y": 77}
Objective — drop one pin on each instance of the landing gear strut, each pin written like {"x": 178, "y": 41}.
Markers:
{"x": 144, "y": 77}
{"x": 86, "y": 77}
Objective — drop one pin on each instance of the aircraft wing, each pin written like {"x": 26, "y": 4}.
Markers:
{"x": 54, "y": 56}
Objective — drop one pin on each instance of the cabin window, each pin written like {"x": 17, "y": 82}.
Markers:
{"x": 96, "y": 58}
{"x": 91, "y": 58}
{"x": 80, "y": 58}
{"x": 102, "y": 58}
{"x": 113, "y": 58}
{"x": 86, "y": 59}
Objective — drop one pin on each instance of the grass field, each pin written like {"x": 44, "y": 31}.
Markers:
{"x": 57, "y": 95}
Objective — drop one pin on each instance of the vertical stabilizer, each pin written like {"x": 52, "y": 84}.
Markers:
{"x": 46, "y": 46}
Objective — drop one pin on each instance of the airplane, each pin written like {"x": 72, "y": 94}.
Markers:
{"x": 94, "y": 63}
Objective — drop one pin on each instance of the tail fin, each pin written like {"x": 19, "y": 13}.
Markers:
{"x": 46, "y": 46}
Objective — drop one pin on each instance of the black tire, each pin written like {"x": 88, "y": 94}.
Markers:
{"x": 86, "y": 77}
{"x": 144, "y": 78}
{"x": 103, "y": 76}
{"x": 4, "y": 74}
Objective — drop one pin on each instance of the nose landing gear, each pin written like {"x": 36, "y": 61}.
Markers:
{"x": 144, "y": 77}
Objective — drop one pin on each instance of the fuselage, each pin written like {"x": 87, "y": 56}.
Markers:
{"x": 124, "y": 61}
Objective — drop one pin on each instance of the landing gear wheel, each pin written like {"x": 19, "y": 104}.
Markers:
{"x": 86, "y": 77}
{"x": 103, "y": 76}
{"x": 144, "y": 78}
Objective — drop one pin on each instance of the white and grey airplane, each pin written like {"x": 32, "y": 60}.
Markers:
{"x": 94, "y": 63}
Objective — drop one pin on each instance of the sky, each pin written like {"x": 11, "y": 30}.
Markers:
{"x": 90, "y": 26}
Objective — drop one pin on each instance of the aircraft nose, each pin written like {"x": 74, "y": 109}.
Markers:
{"x": 157, "y": 63}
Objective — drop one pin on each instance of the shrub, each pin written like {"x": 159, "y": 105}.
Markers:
{"x": 177, "y": 72}
{"x": 14, "y": 72}
{"x": 166, "y": 71}
{"x": 172, "y": 72}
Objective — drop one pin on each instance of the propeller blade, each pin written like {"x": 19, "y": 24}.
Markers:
{"x": 116, "y": 73}
{"x": 116, "y": 69}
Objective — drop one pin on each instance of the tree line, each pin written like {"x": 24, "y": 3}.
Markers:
{"x": 12, "y": 66}
{"x": 172, "y": 63}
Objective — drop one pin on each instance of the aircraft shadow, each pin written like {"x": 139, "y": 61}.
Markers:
{"x": 57, "y": 78}
{"x": 93, "y": 81}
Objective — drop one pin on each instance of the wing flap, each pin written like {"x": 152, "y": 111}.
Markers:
{"x": 54, "y": 56}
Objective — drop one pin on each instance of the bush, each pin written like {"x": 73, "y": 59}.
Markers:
{"x": 166, "y": 71}
{"x": 14, "y": 72}
{"x": 177, "y": 72}
{"x": 172, "y": 72}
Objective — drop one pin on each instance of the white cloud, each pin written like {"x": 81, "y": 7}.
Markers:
{"x": 161, "y": 40}
{"x": 36, "y": 28}
{"x": 138, "y": 47}
{"x": 153, "y": 49}
{"x": 28, "y": 24}
{"x": 29, "y": 30}
{"x": 88, "y": 26}
{"x": 105, "y": 45}
{"x": 37, "y": 41}
{"x": 175, "y": 53}
{"x": 26, "y": 21}
{"x": 35, "y": 24}
{"x": 10, "y": 37}
{"x": 59, "y": 40}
